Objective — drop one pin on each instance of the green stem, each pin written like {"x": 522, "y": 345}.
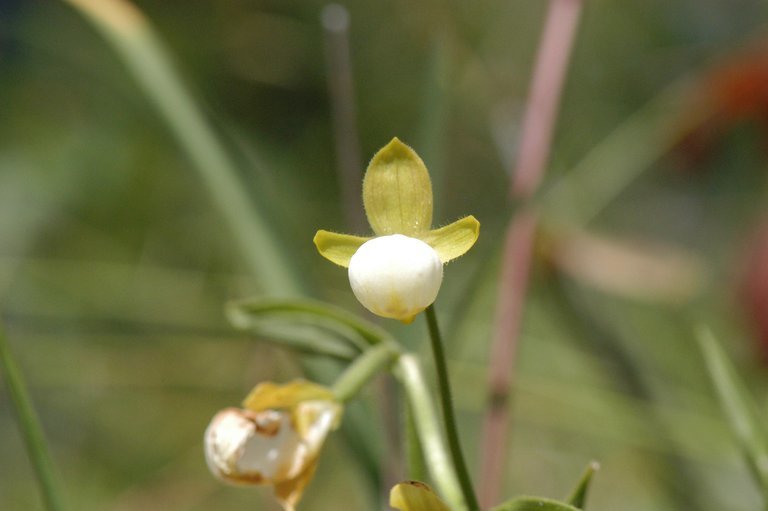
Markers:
{"x": 449, "y": 416}
{"x": 417, "y": 467}
{"x": 31, "y": 431}
{"x": 427, "y": 426}
{"x": 365, "y": 367}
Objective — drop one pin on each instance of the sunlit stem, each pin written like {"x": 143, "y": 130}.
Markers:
{"x": 425, "y": 420}
{"x": 449, "y": 416}
{"x": 415, "y": 461}
{"x": 30, "y": 428}
{"x": 365, "y": 367}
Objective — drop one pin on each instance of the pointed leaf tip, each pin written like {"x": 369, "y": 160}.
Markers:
{"x": 397, "y": 192}
{"x": 578, "y": 497}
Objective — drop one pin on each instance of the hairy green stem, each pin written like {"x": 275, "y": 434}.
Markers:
{"x": 427, "y": 426}
{"x": 365, "y": 367}
{"x": 449, "y": 416}
{"x": 30, "y": 428}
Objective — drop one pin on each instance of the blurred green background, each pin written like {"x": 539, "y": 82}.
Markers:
{"x": 115, "y": 262}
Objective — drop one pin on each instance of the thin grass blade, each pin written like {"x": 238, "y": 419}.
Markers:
{"x": 738, "y": 406}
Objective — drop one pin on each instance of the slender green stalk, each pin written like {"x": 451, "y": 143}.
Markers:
{"x": 449, "y": 416}
{"x": 427, "y": 425}
{"x": 415, "y": 462}
{"x": 365, "y": 367}
{"x": 31, "y": 431}
{"x": 738, "y": 407}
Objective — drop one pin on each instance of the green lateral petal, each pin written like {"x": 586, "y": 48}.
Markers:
{"x": 397, "y": 192}
{"x": 454, "y": 239}
{"x": 415, "y": 496}
{"x": 338, "y": 248}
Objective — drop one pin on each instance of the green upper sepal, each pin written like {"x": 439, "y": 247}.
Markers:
{"x": 397, "y": 192}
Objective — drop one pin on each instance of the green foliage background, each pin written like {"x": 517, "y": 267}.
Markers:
{"x": 115, "y": 264}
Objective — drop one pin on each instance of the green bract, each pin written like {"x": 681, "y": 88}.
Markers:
{"x": 397, "y": 195}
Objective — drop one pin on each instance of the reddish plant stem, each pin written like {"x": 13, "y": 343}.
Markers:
{"x": 509, "y": 311}
{"x": 537, "y": 131}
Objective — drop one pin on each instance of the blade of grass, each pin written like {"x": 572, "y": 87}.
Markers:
{"x": 435, "y": 108}
{"x": 132, "y": 37}
{"x": 739, "y": 408}
{"x": 31, "y": 431}
{"x": 644, "y": 137}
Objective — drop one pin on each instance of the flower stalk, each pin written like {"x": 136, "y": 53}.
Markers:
{"x": 449, "y": 416}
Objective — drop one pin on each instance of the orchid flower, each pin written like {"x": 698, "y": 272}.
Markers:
{"x": 275, "y": 439}
{"x": 398, "y": 272}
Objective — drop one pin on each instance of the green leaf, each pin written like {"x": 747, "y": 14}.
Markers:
{"x": 624, "y": 154}
{"x": 360, "y": 333}
{"x": 579, "y": 496}
{"x": 397, "y": 192}
{"x": 337, "y": 248}
{"x": 454, "y": 239}
{"x": 308, "y": 339}
{"x": 534, "y": 504}
{"x": 289, "y": 325}
{"x": 745, "y": 421}
{"x": 31, "y": 430}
